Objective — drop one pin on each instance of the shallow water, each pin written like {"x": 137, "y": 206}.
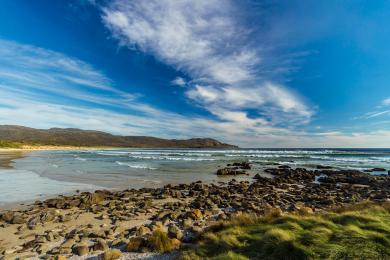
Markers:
{"x": 45, "y": 173}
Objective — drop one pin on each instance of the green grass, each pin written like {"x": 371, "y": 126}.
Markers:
{"x": 160, "y": 242}
{"x": 358, "y": 232}
{"x": 9, "y": 144}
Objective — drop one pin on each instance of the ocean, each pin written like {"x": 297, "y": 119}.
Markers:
{"x": 42, "y": 174}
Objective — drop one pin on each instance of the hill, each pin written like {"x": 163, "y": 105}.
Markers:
{"x": 78, "y": 137}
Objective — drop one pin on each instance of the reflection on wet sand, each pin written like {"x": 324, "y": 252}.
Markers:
{"x": 6, "y": 157}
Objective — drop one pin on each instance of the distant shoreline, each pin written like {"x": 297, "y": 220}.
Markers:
{"x": 52, "y": 148}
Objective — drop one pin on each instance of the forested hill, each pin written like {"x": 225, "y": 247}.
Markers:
{"x": 78, "y": 137}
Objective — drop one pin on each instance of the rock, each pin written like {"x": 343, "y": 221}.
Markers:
{"x": 88, "y": 199}
{"x": 7, "y": 216}
{"x": 64, "y": 250}
{"x": 50, "y": 236}
{"x": 32, "y": 222}
{"x": 97, "y": 233}
{"x": 142, "y": 230}
{"x": 175, "y": 243}
{"x": 111, "y": 254}
{"x": 378, "y": 169}
{"x": 60, "y": 257}
{"x": 135, "y": 244}
{"x": 174, "y": 231}
{"x": 68, "y": 243}
{"x": 229, "y": 171}
{"x": 196, "y": 214}
{"x": 12, "y": 250}
{"x": 64, "y": 218}
{"x": 100, "y": 245}
{"x": 303, "y": 210}
{"x": 17, "y": 219}
{"x": 81, "y": 250}
{"x": 196, "y": 230}
{"x": 323, "y": 167}
{"x": 48, "y": 216}
{"x": 242, "y": 165}
{"x": 187, "y": 222}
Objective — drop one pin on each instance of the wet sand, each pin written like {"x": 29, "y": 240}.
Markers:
{"x": 7, "y": 156}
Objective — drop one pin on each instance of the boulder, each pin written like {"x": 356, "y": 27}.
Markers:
{"x": 174, "y": 231}
{"x": 196, "y": 214}
{"x": 142, "y": 230}
{"x": 7, "y": 216}
{"x": 229, "y": 171}
{"x": 324, "y": 167}
{"x": 378, "y": 169}
{"x": 242, "y": 165}
{"x": 18, "y": 219}
{"x": 135, "y": 244}
{"x": 112, "y": 254}
{"x": 81, "y": 249}
{"x": 100, "y": 245}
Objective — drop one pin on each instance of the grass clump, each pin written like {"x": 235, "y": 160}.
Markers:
{"x": 160, "y": 242}
{"x": 356, "y": 232}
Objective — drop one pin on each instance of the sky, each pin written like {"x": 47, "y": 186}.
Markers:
{"x": 253, "y": 73}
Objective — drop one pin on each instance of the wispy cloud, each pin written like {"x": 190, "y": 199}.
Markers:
{"x": 41, "y": 88}
{"x": 381, "y": 110}
{"x": 206, "y": 41}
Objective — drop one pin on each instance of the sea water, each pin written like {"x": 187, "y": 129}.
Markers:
{"x": 45, "y": 173}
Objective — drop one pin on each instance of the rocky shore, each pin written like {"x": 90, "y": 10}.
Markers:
{"x": 131, "y": 223}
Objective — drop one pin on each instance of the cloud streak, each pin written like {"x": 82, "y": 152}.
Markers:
{"x": 206, "y": 41}
{"x": 41, "y": 88}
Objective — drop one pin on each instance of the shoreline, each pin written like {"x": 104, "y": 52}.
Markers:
{"x": 126, "y": 219}
{"x": 8, "y": 156}
{"x": 54, "y": 148}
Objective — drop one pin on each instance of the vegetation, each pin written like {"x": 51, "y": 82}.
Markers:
{"x": 89, "y": 138}
{"x": 359, "y": 231}
{"x": 9, "y": 144}
{"x": 160, "y": 242}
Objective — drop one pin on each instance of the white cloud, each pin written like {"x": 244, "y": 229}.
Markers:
{"x": 46, "y": 73}
{"x": 179, "y": 81}
{"x": 386, "y": 102}
{"x": 41, "y": 88}
{"x": 376, "y": 114}
{"x": 186, "y": 34}
{"x": 205, "y": 40}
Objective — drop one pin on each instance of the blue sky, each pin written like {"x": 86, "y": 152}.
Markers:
{"x": 254, "y": 73}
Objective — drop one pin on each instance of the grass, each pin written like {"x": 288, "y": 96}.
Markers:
{"x": 160, "y": 242}
{"x": 360, "y": 231}
{"x": 9, "y": 144}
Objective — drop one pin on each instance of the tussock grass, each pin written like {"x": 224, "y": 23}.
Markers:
{"x": 360, "y": 231}
{"x": 160, "y": 242}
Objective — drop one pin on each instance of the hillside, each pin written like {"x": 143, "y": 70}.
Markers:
{"x": 78, "y": 137}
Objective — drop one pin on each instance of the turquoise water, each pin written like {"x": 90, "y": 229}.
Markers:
{"x": 46, "y": 173}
